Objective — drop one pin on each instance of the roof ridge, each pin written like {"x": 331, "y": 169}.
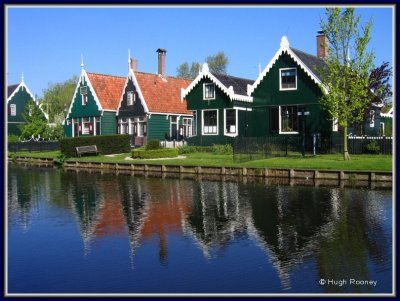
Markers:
{"x": 103, "y": 74}
{"x": 309, "y": 54}
{"x": 231, "y": 76}
{"x": 168, "y": 76}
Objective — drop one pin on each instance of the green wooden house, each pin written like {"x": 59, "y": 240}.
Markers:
{"x": 18, "y": 97}
{"x": 94, "y": 105}
{"x": 220, "y": 106}
{"x": 386, "y": 123}
{"x": 286, "y": 94}
{"x": 151, "y": 107}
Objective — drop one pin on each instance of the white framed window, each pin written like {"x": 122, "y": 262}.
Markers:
{"x": 84, "y": 94}
{"x": 76, "y": 127}
{"x": 123, "y": 126}
{"x": 85, "y": 125}
{"x": 194, "y": 124}
{"x": 230, "y": 122}
{"x": 187, "y": 127}
{"x": 288, "y": 120}
{"x": 371, "y": 118}
{"x": 13, "y": 109}
{"x": 131, "y": 98}
{"x": 140, "y": 126}
{"x": 210, "y": 122}
{"x": 287, "y": 79}
{"x": 382, "y": 128}
{"x": 208, "y": 91}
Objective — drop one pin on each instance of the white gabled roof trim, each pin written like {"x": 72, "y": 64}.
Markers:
{"x": 284, "y": 48}
{"x": 205, "y": 73}
{"x": 123, "y": 91}
{"x": 83, "y": 77}
{"x": 388, "y": 114}
{"x": 21, "y": 85}
{"x": 132, "y": 76}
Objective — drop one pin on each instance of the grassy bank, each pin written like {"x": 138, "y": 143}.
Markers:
{"x": 320, "y": 162}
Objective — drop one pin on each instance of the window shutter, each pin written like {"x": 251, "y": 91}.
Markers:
{"x": 145, "y": 129}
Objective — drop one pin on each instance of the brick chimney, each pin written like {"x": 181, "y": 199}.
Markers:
{"x": 322, "y": 45}
{"x": 133, "y": 64}
{"x": 162, "y": 53}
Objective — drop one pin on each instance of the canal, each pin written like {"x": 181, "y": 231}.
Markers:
{"x": 72, "y": 232}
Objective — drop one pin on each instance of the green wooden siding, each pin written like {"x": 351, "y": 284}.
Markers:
{"x": 91, "y": 110}
{"x": 157, "y": 126}
{"x": 134, "y": 110}
{"x": 195, "y": 102}
{"x": 108, "y": 123}
{"x": 267, "y": 97}
{"x": 20, "y": 100}
{"x": 84, "y": 110}
{"x": 388, "y": 125}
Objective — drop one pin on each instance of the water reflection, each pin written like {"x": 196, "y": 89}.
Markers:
{"x": 346, "y": 232}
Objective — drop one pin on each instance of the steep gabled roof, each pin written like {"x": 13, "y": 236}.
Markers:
{"x": 234, "y": 87}
{"x": 108, "y": 89}
{"x": 309, "y": 63}
{"x": 11, "y": 89}
{"x": 161, "y": 95}
{"x": 238, "y": 84}
{"x": 314, "y": 63}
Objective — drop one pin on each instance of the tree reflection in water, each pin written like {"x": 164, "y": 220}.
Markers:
{"x": 341, "y": 229}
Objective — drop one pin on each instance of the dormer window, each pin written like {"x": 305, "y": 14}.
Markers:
{"x": 84, "y": 93}
{"x": 131, "y": 98}
{"x": 209, "y": 91}
{"x": 288, "y": 79}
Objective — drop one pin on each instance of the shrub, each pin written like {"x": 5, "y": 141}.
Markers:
{"x": 142, "y": 153}
{"x": 13, "y": 138}
{"x": 372, "y": 147}
{"x": 218, "y": 149}
{"x": 225, "y": 149}
{"x": 153, "y": 144}
{"x": 107, "y": 144}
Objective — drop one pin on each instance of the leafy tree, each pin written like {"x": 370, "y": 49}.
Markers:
{"x": 216, "y": 63}
{"x": 36, "y": 123}
{"x": 349, "y": 65}
{"x": 57, "y": 99}
{"x": 379, "y": 83}
{"x": 184, "y": 71}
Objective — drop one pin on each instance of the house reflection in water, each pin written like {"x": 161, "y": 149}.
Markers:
{"x": 219, "y": 215}
{"x": 340, "y": 230}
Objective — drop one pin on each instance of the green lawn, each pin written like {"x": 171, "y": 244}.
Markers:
{"x": 330, "y": 161}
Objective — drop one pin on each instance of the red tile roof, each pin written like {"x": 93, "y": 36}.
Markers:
{"x": 108, "y": 89}
{"x": 163, "y": 95}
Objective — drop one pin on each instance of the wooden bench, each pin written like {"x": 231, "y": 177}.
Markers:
{"x": 88, "y": 149}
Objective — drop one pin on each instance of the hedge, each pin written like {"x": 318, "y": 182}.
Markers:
{"x": 107, "y": 144}
{"x": 142, "y": 153}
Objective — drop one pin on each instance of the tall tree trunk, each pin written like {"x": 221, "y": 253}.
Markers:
{"x": 346, "y": 155}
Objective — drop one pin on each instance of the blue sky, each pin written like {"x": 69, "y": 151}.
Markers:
{"x": 46, "y": 42}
